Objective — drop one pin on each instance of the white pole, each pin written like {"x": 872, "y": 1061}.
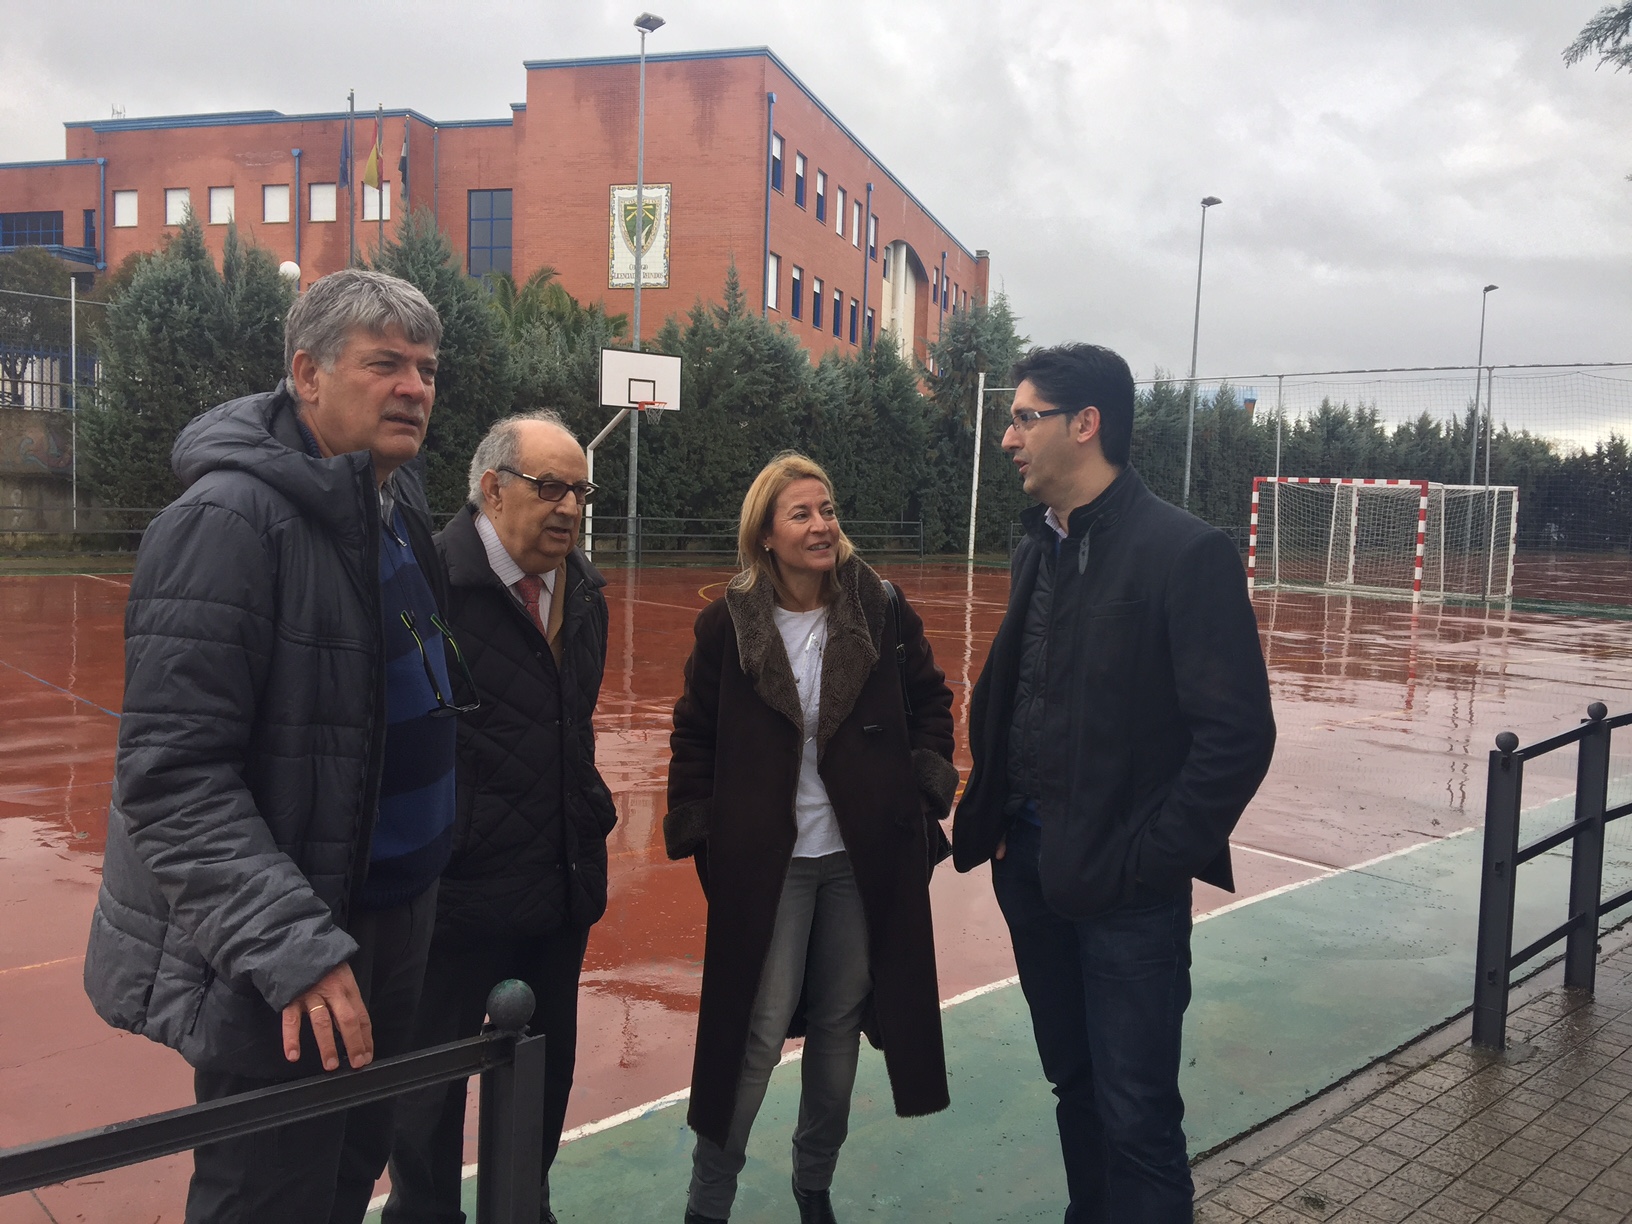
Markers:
{"x": 974, "y": 481}
{"x": 1280, "y": 415}
{"x": 73, "y": 400}
{"x": 1195, "y": 338}
{"x": 640, "y": 232}
{"x": 589, "y": 475}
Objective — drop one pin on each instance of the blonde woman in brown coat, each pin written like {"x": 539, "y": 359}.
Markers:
{"x": 811, "y": 767}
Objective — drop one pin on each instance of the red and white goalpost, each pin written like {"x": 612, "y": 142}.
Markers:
{"x": 1407, "y": 538}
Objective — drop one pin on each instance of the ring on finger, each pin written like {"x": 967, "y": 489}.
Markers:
{"x": 317, "y": 1007}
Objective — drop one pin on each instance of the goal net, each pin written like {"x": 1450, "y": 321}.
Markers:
{"x": 1412, "y": 538}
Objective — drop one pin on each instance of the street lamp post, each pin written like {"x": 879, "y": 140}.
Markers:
{"x": 1195, "y": 338}
{"x": 646, "y": 23}
{"x": 1478, "y": 373}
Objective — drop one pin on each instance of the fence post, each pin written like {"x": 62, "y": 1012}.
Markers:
{"x": 1502, "y": 794}
{"x": 1587, "y": 854}
{"x": 510, "y": 1138}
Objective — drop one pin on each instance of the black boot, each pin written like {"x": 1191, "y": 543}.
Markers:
{"x": 693, "y": 1217}
{"x": 815, "y": 1206}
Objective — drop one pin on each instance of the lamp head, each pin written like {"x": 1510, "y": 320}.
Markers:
{"x": 1488, "y": 288}
{"x": 1209, "y": 201}
{"x": 648, "y": 23}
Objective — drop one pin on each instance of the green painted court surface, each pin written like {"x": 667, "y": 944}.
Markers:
{"x": 1293, "y": 992}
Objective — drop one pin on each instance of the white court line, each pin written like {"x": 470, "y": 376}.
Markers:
{"x": 684, "y": 1094}
{"x": 1285, "y": 858}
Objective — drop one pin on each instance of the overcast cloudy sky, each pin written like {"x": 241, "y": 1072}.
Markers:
{"x": 1379, "y": 160}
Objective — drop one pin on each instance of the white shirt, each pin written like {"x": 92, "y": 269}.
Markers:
{"x": 804, "y": 636}
{"x": 504, "y": 565}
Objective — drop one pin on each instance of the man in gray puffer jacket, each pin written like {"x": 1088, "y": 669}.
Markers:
{"x": 283, "y": 791}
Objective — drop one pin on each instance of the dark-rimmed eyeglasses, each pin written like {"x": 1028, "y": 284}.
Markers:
{"x": 444, "y": 707}
{"x": 554, "y": 490}
{"x": 1025, "y": 418}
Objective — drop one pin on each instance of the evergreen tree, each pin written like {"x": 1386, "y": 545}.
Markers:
{"x": 182, "y": 338}
{"x": 476, "y": 377}
{"x": 982, "y": 339}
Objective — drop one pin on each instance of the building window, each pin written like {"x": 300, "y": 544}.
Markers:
{"x": 322, "y": 200}
{"x": 275, "y": 203}
{"x": 872, "y": 236}
{"x": 124, "y": 209}
{"x": 816, "y": 303}
{"x": 821, "y": 195}
{"x": 838, "y": 212}
{"x": 799, "y": 179}
{"x": 222, "y": 205}
{"x": 90, "y": 229}
{"x": 21, "y": 229}
{"x": 796, "y": 292}
{"x": 869, "y": 327}
{"x": 374, "y": 198}
{"x": 178, "y": 202}
{"x": 886, "y": 263}
{"x": 855, "y": 223}
{"x": 935, "y": 286}
{"x": 838, "y": 311}
{"x": 776, "y": 161}
{"x": 489, "y": 243}
{"x": 855, "y": 318}
{"x": 773, "y": 278}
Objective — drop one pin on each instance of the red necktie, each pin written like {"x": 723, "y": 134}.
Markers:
{"x": 531, "y": 587}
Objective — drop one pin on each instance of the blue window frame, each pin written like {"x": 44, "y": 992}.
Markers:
{"x": 816, "y": 303}
{"x": 821, "y": 195}
{"x": 855, "y": 318}
{"x": 489, "y": 247}
{"x": 90, "y": 229}
{"x": 796, "y": 293}
{"x": 30, "y": 229}
{"x": 776, "y": 161}
{"x": 799, "y": 179}
{"x": 838, "y": 312}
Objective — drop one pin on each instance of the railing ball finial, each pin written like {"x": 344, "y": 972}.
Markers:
{"x": 1597, "y": 711}
{"x": 1507, "y": 743}
{"x": 510, "y": 1005}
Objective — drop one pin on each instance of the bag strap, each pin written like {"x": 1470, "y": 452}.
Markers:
{"x": 900, "y": 644}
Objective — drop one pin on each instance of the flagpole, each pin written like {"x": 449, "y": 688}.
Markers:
{"x": 379, "y": 182}
{"x": 351, "y": 176}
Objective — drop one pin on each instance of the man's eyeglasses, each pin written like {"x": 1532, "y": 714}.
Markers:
{"x": 1025, "y": 418}
{"x": 555, "y": 490}
{"x": 444, "y": 707}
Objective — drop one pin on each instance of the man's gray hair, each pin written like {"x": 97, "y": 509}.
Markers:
{"x": 326, "y": 314}
{"x": 502, "y": 447}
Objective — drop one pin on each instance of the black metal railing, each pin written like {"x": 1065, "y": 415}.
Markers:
{"x": 1495, "y": 959}
{"x": 511, "y": 1128}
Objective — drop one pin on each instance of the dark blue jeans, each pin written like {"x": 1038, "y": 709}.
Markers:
{"x": 1107, "y": 997}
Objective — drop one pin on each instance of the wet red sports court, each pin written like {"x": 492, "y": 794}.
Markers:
{"x": 1386, "y": 713}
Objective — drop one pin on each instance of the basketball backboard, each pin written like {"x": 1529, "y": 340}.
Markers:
{"x": 629, "y": 380}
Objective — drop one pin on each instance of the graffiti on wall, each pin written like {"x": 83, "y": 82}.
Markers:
{"x": 45, "y": 450}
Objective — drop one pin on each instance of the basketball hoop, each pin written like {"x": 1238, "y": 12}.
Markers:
{"x": 651, "y": 405}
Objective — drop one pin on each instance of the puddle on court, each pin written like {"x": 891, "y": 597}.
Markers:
{"x": 1386, "y": 714}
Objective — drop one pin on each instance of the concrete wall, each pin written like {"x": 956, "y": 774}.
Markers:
{"x": 36, "y": 456}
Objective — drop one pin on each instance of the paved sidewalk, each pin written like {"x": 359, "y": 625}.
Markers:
{"x": 1441, "y": 1132}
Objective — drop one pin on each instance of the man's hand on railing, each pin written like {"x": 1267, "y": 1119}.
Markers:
{"x": 332, "y": 1005}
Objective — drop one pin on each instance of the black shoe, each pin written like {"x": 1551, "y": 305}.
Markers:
{"x": 693, "y": 1217}
{"x": 548, "y": 1217}
{"x": 815, "y": 1206}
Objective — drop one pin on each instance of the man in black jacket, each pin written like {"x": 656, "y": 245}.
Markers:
{"x": 1120, "y": 727}
{"x": 284, "y": 787}
{"x": 528, "y": 874}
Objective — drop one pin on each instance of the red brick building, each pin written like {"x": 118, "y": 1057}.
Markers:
{"x": 743, "y": 163}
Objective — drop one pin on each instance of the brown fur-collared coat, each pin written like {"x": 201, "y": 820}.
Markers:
{"x": 735, "y": 767}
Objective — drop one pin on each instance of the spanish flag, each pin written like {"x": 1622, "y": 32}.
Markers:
{"x": 371, "y": 171}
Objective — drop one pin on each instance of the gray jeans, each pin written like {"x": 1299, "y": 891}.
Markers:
{"x": 818, "y": 951}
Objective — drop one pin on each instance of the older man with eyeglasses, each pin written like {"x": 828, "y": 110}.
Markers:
{"x": 528, "y": 873}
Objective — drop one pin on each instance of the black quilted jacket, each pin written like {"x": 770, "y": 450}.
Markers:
{"x": 529, "y": 839}
{"x": 251, "y": 742}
